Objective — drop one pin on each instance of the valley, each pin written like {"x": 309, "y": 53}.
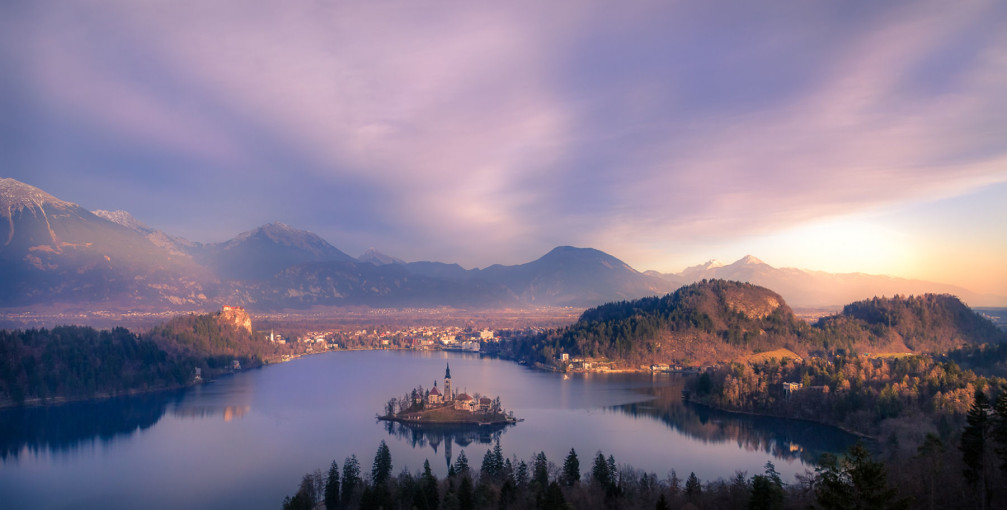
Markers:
{"x": 61, "y": 259}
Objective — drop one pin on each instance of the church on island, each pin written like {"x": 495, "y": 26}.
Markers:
{"x": 444, "y": 406}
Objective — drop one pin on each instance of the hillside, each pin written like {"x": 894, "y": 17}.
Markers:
{"x": 55, "y": 251}
{"x": 720, "y": 320}
{"x": 71, "y": 362}
{"x": 697, "y": 324}
{"x": 932, "y": 322}
{"x": 262, "y": 252}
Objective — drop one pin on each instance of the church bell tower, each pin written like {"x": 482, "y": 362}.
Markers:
{"x": 448, "y": 396}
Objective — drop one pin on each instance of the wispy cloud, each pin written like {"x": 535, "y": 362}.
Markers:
{"x": 482, "y": 133}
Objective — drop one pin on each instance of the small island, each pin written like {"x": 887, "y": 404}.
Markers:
{"x": 434, "y": 407}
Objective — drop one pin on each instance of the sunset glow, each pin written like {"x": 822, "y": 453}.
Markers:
{"x": 835, "y": 136}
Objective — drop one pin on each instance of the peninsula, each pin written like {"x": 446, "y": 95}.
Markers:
{"x": 436, "y": 407}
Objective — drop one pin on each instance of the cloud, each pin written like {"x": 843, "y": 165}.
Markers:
{"x": 489, "y": 132}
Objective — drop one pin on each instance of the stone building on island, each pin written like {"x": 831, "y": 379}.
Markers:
{"x": 460, "y": 402}
{"x": 440, "y": 405}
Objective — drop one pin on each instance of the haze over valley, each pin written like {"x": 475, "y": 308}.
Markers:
{"x": 60, "y": 255}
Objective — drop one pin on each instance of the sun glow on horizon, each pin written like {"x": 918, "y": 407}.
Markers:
{"x": 841, "y": 245}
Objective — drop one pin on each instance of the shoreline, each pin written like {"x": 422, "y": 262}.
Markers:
{"x": 57, "y": 401}
{"x": 477, "y": 423}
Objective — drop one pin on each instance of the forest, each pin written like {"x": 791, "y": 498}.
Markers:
{"x": 74, "y": 362}
{"x": 853, "y": 480}
{"x": 716, "y": 321}
{"x": 903, "y": 398}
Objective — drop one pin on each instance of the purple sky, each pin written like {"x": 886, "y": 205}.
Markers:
{"x": 842, "y": 136}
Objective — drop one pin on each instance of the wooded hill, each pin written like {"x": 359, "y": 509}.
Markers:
{"x": 72, "y": 363}
{"x": 721, "y": 320}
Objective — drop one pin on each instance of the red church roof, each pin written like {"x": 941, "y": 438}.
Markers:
{"x": 434, "y": 391}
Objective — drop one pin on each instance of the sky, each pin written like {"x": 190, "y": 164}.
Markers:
{"x": 840, "y": 136}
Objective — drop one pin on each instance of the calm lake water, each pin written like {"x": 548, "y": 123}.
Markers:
{"x": 245, "y": 441}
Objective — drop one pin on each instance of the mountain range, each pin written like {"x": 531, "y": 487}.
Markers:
{"x": 58, "y": 254}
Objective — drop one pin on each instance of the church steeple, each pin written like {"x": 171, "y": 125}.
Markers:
{"x": 447, "y": 384}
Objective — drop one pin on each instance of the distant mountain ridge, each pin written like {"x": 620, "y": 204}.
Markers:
{"x": 377, "y": 258}
{"x": 818, "y": 289}
{"x": 57, "y": 253}
{"x": 260, "y": 253}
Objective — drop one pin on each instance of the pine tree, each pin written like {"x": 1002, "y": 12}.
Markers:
{"x": 508, "y": 470}
{"x": 540, "y": 473}
{"x": 553, "y": 498}
{"x": 571, "y": 469}
{"x": 930, "y": 453}
{"x": 521, "y": 475}
{"x": 692, "y": 486}
{"x": 975, "y": 439}
{"x": 465, "y": 499}
{"x": 498, "y": 460}
{"x": 613, "y": 471}
{"x": 856, "y": 482}
{"x": 869, "y": 480}
{"x": 351, "y": 478}
{"x": 381, "y": 470}
{"x": 832, "y": 489}
{"x": 767, "y": 490}
{"x": 332, "y": 487}
{"x": 999, "y": 431}
{"x": 599, "y": 473}
{"x": 493, "y": 464}
{"x": 461, "y": 464}
{"x": 428, "y": 487}
{"x": 662, "y": 503}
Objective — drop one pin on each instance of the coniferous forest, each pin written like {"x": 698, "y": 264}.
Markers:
{"x": 718, "y": 320}
{"x": 74, "y": 362}
{"x": 968, "y": 473}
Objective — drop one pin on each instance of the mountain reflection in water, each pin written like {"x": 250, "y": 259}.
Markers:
{"x": 781, "y": 438}
{"x": 64, "y": 428}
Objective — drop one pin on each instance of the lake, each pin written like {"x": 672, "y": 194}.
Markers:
{"x": 246, "y": 440}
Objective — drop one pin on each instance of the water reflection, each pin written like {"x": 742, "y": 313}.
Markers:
{"x": 436, "y": 435}
{"x": 781, "y": 438}
{"x": 200, "y": 412}
{"x": 61, "y": 429}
